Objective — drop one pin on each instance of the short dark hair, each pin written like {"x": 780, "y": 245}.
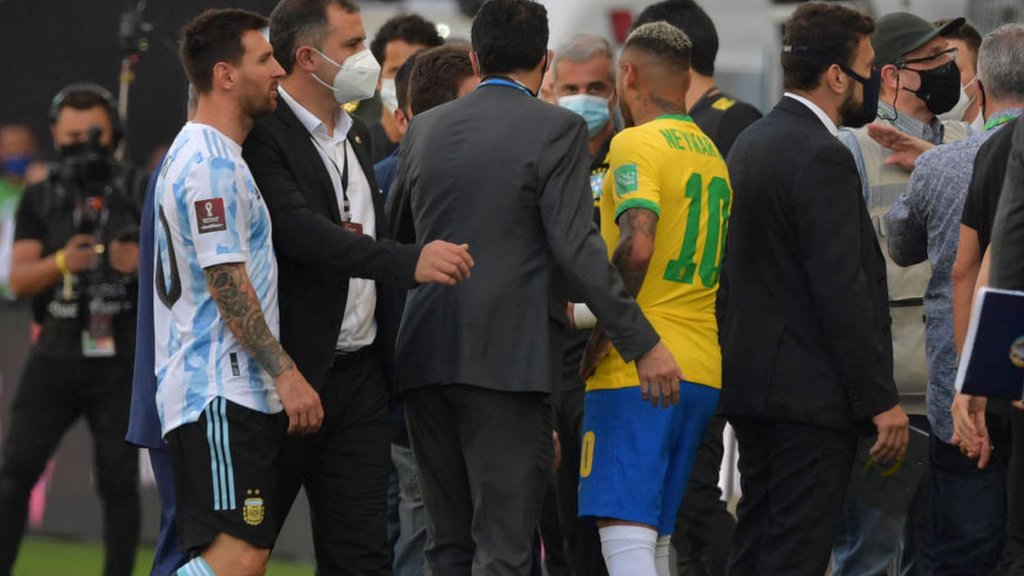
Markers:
{"x": 966, "y": 33}
{"x": 824, "y": 34}
{"x": 692, "y": 20}
{"x": 437, "y": 75}
{"x": 411, "y": 28}
{"x": 665, "y": 42}
{"x": 402, "y": 79}
{"x": 510, "y": 35}
{"x": 295, "y": 22}
{"x": 215, "y": 36}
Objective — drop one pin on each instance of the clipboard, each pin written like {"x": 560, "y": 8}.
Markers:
{"x": 992, "y": 363}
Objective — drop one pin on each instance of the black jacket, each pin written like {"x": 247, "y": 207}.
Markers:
{"x": 316, "y": 256}
{"x": 806, "y": 335}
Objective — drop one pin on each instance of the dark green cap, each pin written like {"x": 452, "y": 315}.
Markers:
{"x": 900, "y": 33}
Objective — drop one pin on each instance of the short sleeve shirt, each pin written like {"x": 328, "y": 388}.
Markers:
{"x": 209, "y": 212}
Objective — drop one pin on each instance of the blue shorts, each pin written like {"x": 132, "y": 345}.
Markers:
{"x": 637, "y": 458}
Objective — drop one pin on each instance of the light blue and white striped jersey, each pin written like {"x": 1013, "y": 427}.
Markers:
{"x": 209, "y": 212}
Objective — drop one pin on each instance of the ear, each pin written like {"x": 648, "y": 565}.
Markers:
{"x": 890, "y": 76}
{"x": 630, "y": 74}
{"x": 223, "y": 76}
{"x": 982, "y": 98}
{"x": 836, "y": 79}
{"x": 304, "y": 58}
{"x": 476, "y": 64}
{"x": 401, "y": 122}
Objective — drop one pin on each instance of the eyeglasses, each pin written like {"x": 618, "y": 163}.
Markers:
{"x": 948, "y": 55}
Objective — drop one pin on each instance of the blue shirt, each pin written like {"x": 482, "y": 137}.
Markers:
{"x": 924, "y": 223}
{"x": 385, "y": 171}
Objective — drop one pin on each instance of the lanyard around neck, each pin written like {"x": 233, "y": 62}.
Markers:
{"x": 342, "y": 173}
{"x": 499, "y": 81}
{"x": 1000, "y": 121}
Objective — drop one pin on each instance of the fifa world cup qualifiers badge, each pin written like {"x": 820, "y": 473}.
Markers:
{"x": 210, "y": 215}
{"x": 252, "y": 512}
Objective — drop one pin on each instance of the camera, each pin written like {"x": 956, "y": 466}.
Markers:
{"x": 85, "y": 178}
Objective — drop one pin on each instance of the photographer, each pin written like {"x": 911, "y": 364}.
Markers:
{"x": 75, "y": 254}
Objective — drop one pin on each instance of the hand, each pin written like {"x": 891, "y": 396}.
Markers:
{"x": 970, "y": 432}
{"x": 659, "y": 376}
{"x": 123, "y": 256}
{"x": 905, "y": 147}
{"x": 444, "y": 263}
{"x": 79, "y": 253}
{"x": 301, "y": 402}
{"x": 570, "y": 317}
{"x": 598, "y": 346}
{"x": 557, "y": 445}
{"x": 893, "y": 435}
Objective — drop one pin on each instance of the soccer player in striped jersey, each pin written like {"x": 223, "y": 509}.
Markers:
{"x": 664, "y": 213}
{"x": 226, "y": 390}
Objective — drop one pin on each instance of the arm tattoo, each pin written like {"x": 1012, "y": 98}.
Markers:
{"x": 636, "y": 225}
{"x": 240, "y": 309}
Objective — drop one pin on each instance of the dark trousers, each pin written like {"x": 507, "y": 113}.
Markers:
{"x": 704, "y": 526}
{"x": 344, "y": 468}
{"x": 485, "y": 459}
{"x": 52, "y": 394}
{"x": 1012, "y": 563}
{"x": 582, "y": 542}
{"x": 969, "y": 509}
{"x": 169, "y": 555}
{"x": 794, "y": 478}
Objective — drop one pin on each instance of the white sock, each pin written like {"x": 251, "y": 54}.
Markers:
{"x": 195, "y": 567}
{"x": 662, "y": 554}
{"x": 628, "y": 550}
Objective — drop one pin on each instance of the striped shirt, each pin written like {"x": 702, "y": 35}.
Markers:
{"x": 209, "y": 212}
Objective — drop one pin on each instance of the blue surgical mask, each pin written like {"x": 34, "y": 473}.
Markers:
{"x": 593, "y": 109}
{"x": 17, "y": 165}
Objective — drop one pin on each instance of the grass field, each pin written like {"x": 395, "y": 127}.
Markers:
{"x": 54, "y": 557}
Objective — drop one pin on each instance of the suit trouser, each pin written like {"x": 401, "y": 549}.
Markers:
{"x": 484, "y": 458}
{"x": 52, "y": 394}
{"x": 580, "y": 534}
{"x": 344, "y": 468}
{"x": 704, "y": 526}
{"x": 794, "y": 478}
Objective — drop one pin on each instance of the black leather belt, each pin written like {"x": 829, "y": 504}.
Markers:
{"x": 344, "y": 358}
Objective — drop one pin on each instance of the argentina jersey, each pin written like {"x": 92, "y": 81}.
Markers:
{"x": 208, "y": 212}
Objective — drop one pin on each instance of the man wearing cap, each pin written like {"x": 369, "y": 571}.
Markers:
{"x": 920, "y": 80}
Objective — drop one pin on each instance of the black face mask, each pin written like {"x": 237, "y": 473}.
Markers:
{"x": 940, "y": 87}
{"x": 872, "y": 86}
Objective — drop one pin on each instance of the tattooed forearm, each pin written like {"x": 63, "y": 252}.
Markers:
{"x": 637, "y": 227}
{"x": 240, "y": 309}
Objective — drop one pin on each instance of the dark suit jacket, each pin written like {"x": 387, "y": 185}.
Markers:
{"x": 507, "y": 174}
{"x": 316, "y": 257}
{"x": 1007, "y": 259}
{"x": 806, "y": 336}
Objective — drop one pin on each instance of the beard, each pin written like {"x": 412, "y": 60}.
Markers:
{"x": 851, "y": 112}
{"x": 260, "y": 102}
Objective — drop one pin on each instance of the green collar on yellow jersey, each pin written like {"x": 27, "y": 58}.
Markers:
{"x": 683, "y": 117}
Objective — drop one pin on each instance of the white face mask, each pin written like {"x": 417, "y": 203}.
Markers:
{"x": 356, "y": 78}
{"x": 965, "y": 101}
{"x": 389, "y": 94}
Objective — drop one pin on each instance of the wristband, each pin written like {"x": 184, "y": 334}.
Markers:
{"x": 62, "y": 265}
{"x": 582, "y": 317}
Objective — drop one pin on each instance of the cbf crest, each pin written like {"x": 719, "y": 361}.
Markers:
{"x": 253, "y": 511}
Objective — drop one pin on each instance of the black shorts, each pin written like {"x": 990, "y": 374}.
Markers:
{"x": 225, "y": 475}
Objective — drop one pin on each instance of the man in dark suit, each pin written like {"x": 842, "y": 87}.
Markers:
{"x": 807, "y": 356}
{"x": 311, "y": 161}
{"x": 506, "y": 173}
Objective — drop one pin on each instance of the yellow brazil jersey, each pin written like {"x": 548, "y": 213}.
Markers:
{"x": 671, "y": 168}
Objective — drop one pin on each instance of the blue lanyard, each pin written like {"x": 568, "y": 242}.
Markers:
{"x": 506, "y": 82}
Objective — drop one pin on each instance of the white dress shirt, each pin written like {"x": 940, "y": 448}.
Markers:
{"x": 817, "y": 112}
{"x": 358, "y": 327}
